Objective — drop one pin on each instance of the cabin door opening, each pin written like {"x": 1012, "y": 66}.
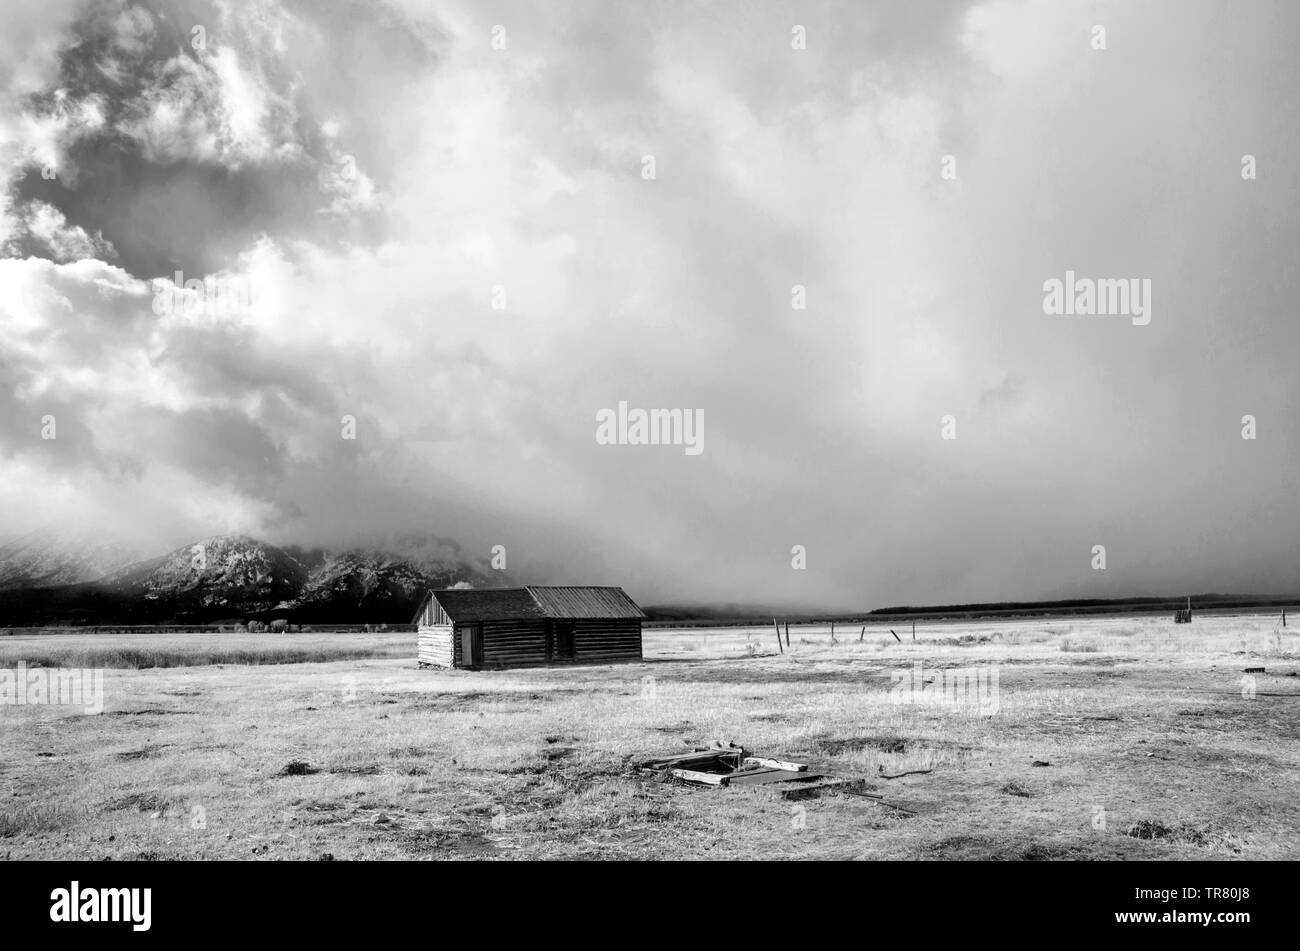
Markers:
{"x": 564, "y": 640}
{"x": 471, "y": 645}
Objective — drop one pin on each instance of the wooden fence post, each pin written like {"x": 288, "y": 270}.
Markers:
{"x": 778, "y": 635}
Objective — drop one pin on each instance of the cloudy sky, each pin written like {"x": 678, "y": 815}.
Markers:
{"x": 365, "y": 180}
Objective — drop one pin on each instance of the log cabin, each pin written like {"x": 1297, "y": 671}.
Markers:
{"x": 476, "y": 628}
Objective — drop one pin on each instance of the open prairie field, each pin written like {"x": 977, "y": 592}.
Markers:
{"x": 1096, "y": 738}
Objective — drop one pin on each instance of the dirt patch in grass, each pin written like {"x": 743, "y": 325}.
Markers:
{"x": 574, "y": 802}
{"x": 1013, "y": 788}
{"x": 1072, "y": 725}
{"x": 834, "y": 746}
{"x": 473, "y": 700}
{"x": 146, "y": 753}
{"x": 1217, "y": 719}
{"x": 320, "y": 805}
{"x": 549, "y": 762}
{"x": 451, "y": 844}
{"x": 447, "y": 701}
{"x": 1046, "y": 852}
{"x": 1006, "y": 849}
{"x": 150, "y": 801}
{"x": 399, "y": 752}
{"x": 966, "y": 846}
{"x": 298, "y": 768}
{"x": 1183, "y": 833}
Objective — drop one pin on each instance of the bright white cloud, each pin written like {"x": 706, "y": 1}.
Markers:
{"x": 520, "y": 171}
{"x": 212, "y": 108}
{"x": 64, "y": 242}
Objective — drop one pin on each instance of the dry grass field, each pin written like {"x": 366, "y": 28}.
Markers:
{"x": 1108, "y": 738}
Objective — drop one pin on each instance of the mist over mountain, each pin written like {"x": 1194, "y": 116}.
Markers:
{"x": 51, "y": 557}
{"x": 61, "y": 577}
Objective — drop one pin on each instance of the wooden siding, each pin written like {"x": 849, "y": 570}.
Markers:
{"x": 432, "y": 615}
{"x": 598, "y": 641}
{"x": 522, "y": 643}
{"x": 516, "y": 643}
{"x": 435, "y": 645}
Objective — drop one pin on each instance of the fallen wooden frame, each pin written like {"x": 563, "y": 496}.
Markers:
{"x": 764, "y": 777}
{"x": 696, "y": 759}
{"x": 774, "y": 763}
{"x": 695, "y": 776}
{"x": 842, "y": 787}
{"x": 732, "y": 766}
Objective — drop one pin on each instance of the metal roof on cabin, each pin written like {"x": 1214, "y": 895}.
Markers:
{"x": 536, "y": 601}
{"x": 584, "y": 602}
{"x": 488, "y": 604}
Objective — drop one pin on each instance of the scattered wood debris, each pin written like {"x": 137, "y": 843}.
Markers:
{"x": 733, "y": 765}
{"x": 706, "y": 766}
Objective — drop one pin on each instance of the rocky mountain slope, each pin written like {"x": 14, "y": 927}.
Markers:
{"x": 230, "y": 577}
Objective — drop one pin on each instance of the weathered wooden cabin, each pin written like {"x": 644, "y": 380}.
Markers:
{"x": 527, "y": 627}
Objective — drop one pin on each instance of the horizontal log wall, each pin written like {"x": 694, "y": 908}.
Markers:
{"x": 435, "y": 646}
{"x": 522, "y": 643}
{"x": 519, "y": 643}
{"x": 600, "y": 641}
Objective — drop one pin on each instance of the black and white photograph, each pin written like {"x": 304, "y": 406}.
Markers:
{"x": 749, "y": 431}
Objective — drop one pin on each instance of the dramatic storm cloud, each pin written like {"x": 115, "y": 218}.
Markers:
{"x": 235, "y": 233}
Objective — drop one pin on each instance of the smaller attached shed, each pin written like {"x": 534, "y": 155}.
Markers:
{"x": 527, "y": 627}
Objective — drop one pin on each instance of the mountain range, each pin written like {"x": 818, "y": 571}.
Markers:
{"x": 59, "y": 577}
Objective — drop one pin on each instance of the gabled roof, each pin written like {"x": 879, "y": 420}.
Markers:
{"x": 488, "y": 604}
{"x": 535, "y": 602}
{"x": 584, "y": 602}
